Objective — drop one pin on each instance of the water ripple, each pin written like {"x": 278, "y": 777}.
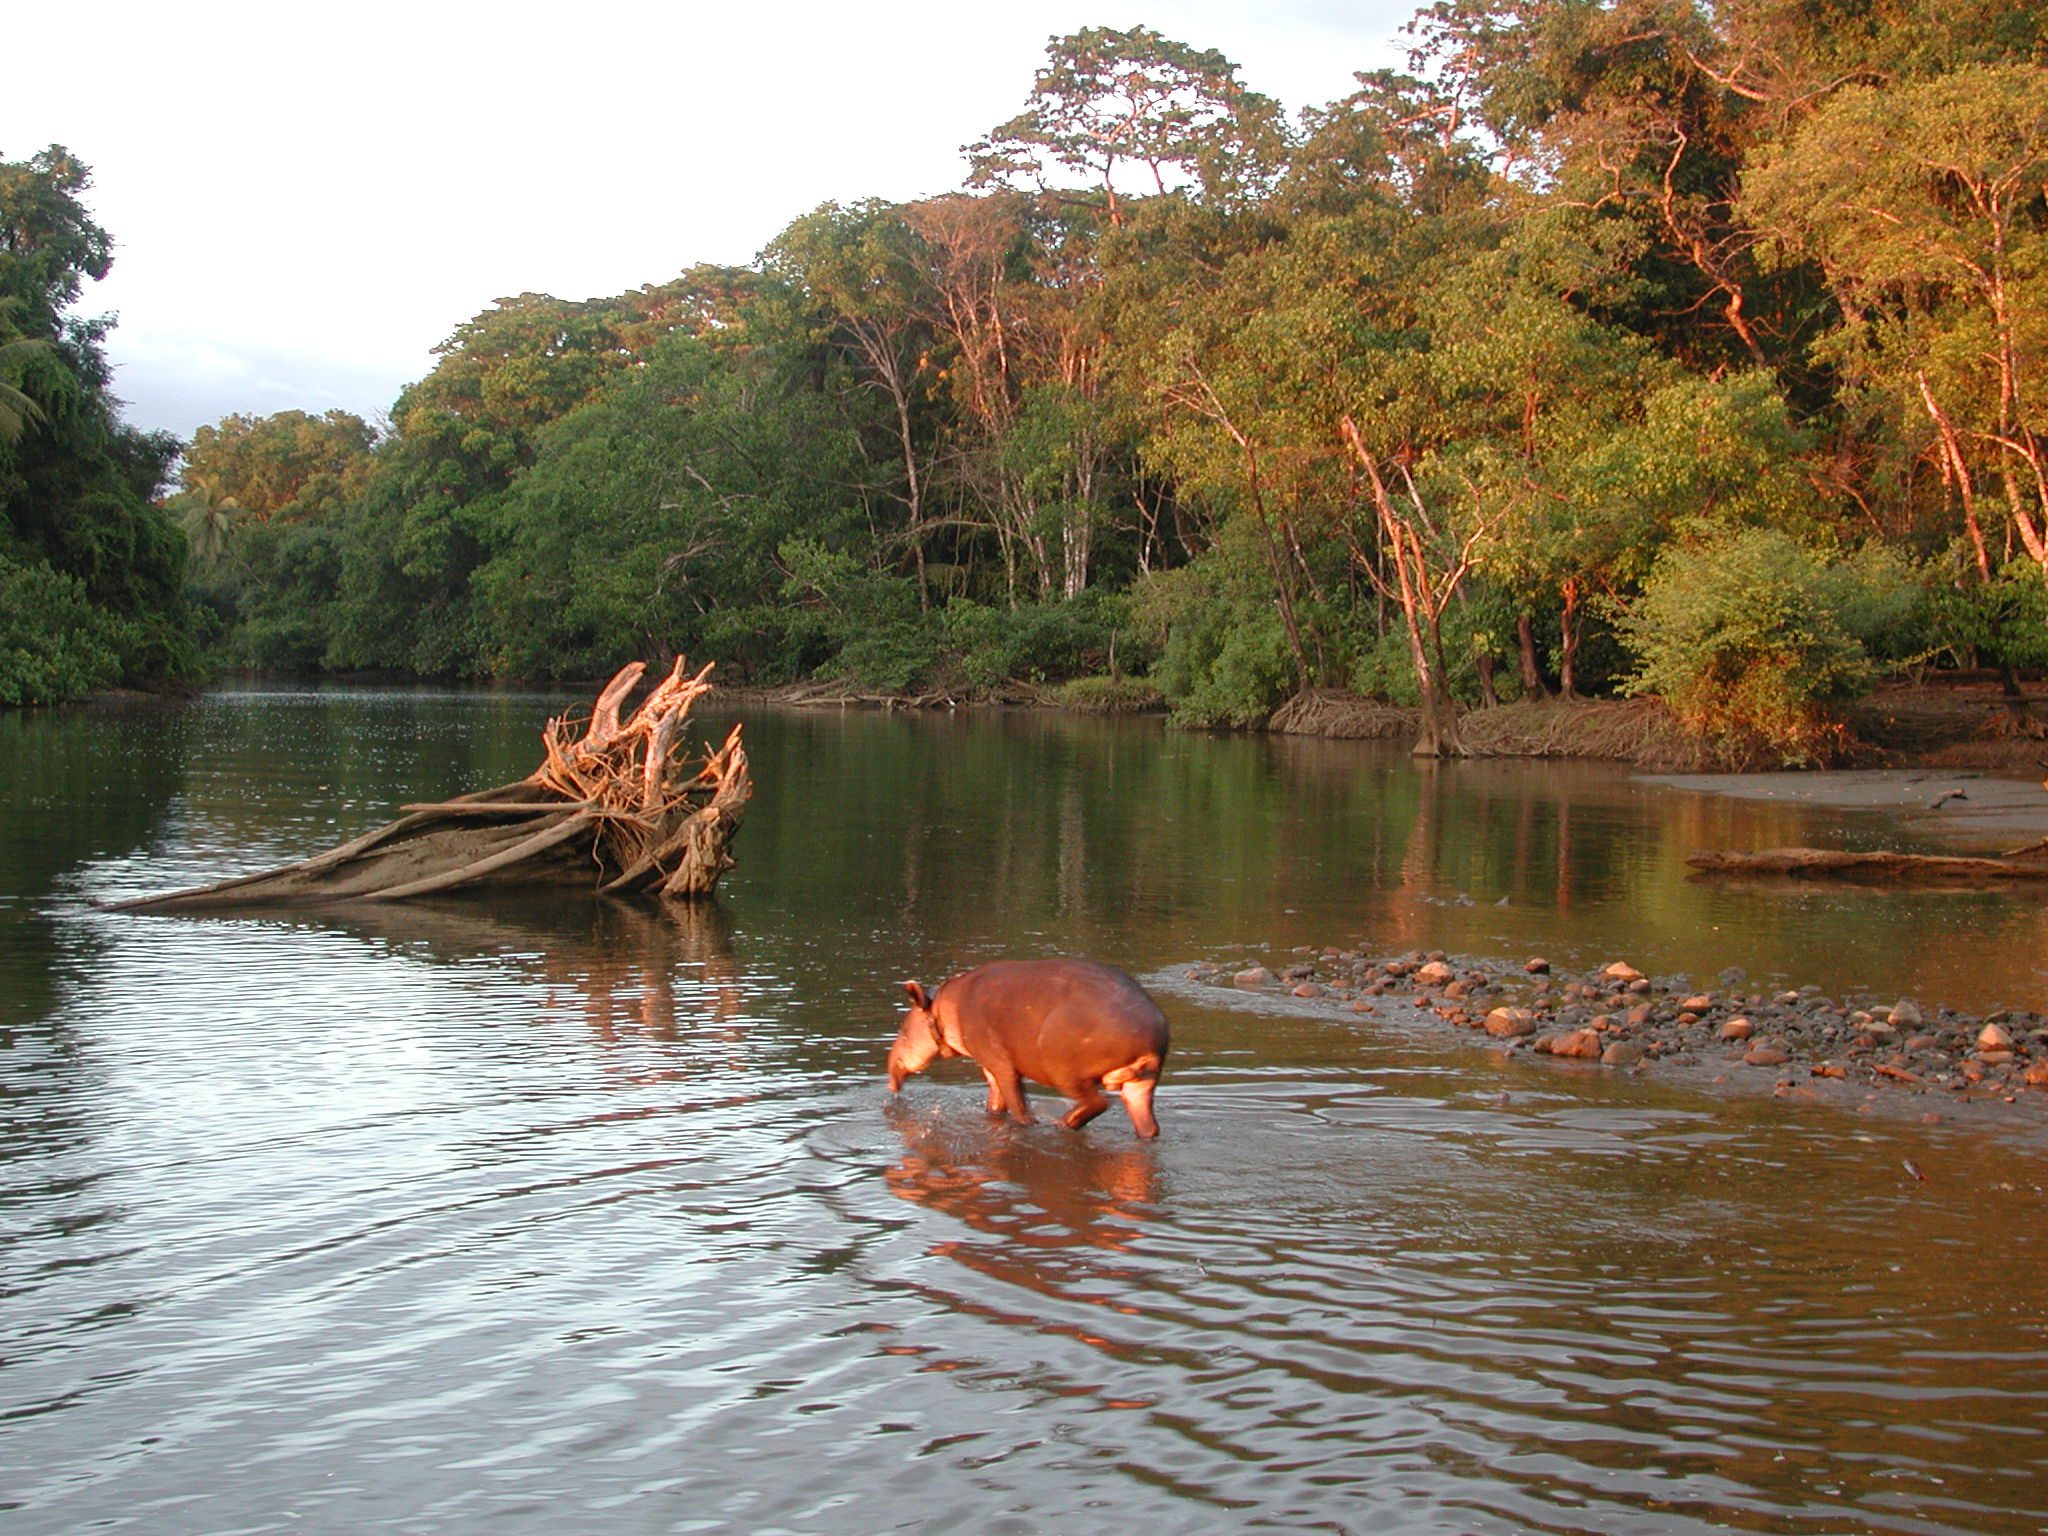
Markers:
{"x": 547, "y": 1219}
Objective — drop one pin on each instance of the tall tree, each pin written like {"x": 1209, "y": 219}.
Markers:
{"x": 860, "y": 269}
{"x": 77, "y": 486}
{"x": 1106, "y": 100}
{"x": 1927, "y": 205}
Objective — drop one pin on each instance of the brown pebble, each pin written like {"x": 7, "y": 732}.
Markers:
{"x": 1581, "y": 1044}
{"x": 1510, "y": 1023}
{"x": 1622, "y": 1053}
{"x": 1767, "y": 1053}
{"x": 1638, "y": 1016}
{"x": 1257, "y": 976}
{"x": 1536, "y": 965}
{"x": 1992, "y": 1037}
{"x": 1457, "y": 989}
{"x": 1736, "y": 1029}
{"x": 1434, "y": 974}
{"x": 1621, "y": 971}
{"x": 1699, "y": 1002}
{"x": 1308, "y": 989}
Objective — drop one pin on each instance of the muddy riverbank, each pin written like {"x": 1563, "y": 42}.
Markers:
{"x": 1951, "y": 724}
{"x": 1954, "y": 725}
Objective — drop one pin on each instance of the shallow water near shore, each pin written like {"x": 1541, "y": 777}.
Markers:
{"x": 541, "y": 1214}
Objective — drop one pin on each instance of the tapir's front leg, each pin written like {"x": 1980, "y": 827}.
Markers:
{"x": 1006, "y": 1088}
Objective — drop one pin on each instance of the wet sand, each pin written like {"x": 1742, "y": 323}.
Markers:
{"x": 1969, "y": 809}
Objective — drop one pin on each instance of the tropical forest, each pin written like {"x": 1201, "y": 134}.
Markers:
{"x": 1689, "y": 355}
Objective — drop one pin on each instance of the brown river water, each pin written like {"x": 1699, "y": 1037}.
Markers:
{"x": 537, "y": 1215}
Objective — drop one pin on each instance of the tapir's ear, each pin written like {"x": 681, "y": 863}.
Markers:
{"x": 917, "y": 997}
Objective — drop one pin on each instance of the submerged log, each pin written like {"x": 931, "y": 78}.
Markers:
{"x": 614, "y": 805}
{"x": 1870, "y": 868}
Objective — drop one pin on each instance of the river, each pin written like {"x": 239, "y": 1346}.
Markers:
{"x": 537, "y": 1215}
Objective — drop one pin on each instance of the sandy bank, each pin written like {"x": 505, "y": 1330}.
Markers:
{"x": 1965, "y": 810}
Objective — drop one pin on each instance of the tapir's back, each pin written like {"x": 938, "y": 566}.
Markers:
{"x": 1057, "y": 1020}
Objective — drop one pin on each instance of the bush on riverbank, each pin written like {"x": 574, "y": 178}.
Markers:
{"x": 1745, "y": 636}
{"x": 54, "y": 644}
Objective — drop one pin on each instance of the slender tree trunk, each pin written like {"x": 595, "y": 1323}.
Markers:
{"x": 1483, "y": 664}
{"x": 1568, "y": 641}
{"x": 1284, "y": 601}
{"x": 1533, "y": 685}
{"x": 1419, "y": 611}
{"x": 1957, "y": 472}
{"x": 1281, "y": 585}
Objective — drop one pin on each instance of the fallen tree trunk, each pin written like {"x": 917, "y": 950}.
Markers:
{"x": 1870, "y": 868}
{"x": 613, "y": 805}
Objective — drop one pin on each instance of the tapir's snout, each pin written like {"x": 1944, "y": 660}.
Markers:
{"x": 917, "y": 1043}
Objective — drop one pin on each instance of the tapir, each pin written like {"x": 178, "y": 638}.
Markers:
{"x": 1072, "y": 1025}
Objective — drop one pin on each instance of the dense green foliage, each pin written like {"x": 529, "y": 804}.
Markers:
{"x": 1622, "y": 344}
{"x": 1742, "y": 634}
{"x": 91, "y": 568}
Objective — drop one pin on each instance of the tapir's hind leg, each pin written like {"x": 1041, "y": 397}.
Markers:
{"x": 1088, "y": 1103}
{"x": 1138, "y": 1102}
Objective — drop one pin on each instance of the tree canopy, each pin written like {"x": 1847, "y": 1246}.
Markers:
{"x": 91, "y": 568}
{"x": 1434, "y": 391}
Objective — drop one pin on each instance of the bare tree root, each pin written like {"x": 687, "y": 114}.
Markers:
{"x": 615, "y": 804}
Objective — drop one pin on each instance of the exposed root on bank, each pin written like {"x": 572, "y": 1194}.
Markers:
{"x": 1344, "y": 716}
{"x": 615, "y": 805}
{"x": 1639, "y": 731}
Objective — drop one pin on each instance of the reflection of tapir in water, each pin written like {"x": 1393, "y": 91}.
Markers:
{"x": 1070, "y": 1024}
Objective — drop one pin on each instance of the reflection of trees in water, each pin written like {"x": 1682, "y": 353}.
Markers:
{"x": 657, "y": 970}
{"x": 64, "y": 806}
{"x": 625, "y": 969}
{"x": 280, "y": 774}
{"x": 1109, "y": 827}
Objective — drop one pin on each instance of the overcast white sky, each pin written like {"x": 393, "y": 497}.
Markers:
{"x": 305, "y": 199}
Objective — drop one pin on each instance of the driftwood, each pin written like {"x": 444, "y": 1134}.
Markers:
{"x": 614, "y": 805}
{"x": 1871, "y": 868}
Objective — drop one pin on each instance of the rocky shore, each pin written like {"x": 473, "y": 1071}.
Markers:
{"x": 1798, "y": 1044}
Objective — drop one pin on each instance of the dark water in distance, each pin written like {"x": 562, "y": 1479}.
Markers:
{"x": 538, "y": 1215}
